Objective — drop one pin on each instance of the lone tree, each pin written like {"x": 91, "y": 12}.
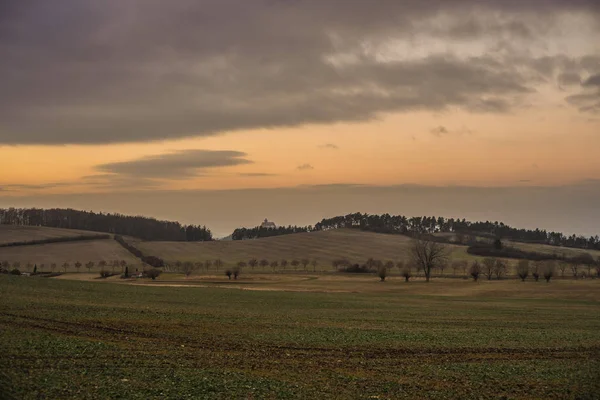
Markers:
{"x": 523, "y": 269}
{"x": 65, "y": 266}
{"x": 426, "y": 255}
{"x": 475, "y": 270}
{"x": 78, "y": 265}
{"x": 264, "y": 263}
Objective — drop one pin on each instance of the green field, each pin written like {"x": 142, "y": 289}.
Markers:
{"x": 446, "y": 339}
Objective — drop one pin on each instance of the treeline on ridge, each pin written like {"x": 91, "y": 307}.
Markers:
{"x": 418, "y": 226}
{"x": 136, "y": 226}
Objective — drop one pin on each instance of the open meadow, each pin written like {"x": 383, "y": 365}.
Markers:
{"x": 304, "y": 336}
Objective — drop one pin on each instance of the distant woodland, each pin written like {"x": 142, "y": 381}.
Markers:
{"x": 136, "y": 226}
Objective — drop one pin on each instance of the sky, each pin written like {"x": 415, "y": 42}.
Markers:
{"x": 225, "y": 112}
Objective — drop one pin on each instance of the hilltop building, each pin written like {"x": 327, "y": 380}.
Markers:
{"x": 268, "y": 224}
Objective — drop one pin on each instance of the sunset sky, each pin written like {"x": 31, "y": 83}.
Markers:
{"x": 224, "y": 112}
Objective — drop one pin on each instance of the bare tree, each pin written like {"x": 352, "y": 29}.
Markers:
{"x": 52, "y": 267}
{"x": 295, "y": 264}
{"x": 264, "y": 263}
{"x": 187, "y": 268}
{"x": 199, "y": 265}
{"x": 305, "y": 262}
{"x": 65, "y": 266}
{"x": 457, "y": 265}
{"x": 389, "y": 265}
{"x": 218, "y": 263}
{"x": 314, "y": 264}
{"x": 123, "y": 264}
{"x": 442, "y": 266}
{"x": 253, "y": 263}
{"x": 562, "y": 266}
{"x": 152, "y": 273}
{"x": 284, "y": 263}
{"x": 426, "y": 255}
{"x": 78, "y": 265}
{"x": 228, "y": 272}
{"x": 535, "y": 269}
{"x": 549, "y": 268}
{"x": 207, "y": 264}
{"x": 475, "y": 270}
{"x": 102, "y": 265}
{"x": 89, "y": 266}
{"x": 406, "y": 273}
{"x": 488, "y": 267}
{"x": 178, "y": 264}
{"x": 499, "y": 269}
{"x": 274, "y": 265}
{"x": 523, "y": 269}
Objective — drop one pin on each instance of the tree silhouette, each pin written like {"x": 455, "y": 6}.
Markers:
{"x": 78, "y": 265}
{"x": 426, "y": 255}
{"x": 274, "y": 265}
{"x": 284, "y": 263}
{"x": 89, "y": 266}
{"x": 52, "y": 267}
{"x": 295, "y": 264}
{"x": 523, "y": 269}
{"x": 65, "y": 266}
{"x": 475, "y": 270}
{"x": 264, "y": 263}
{"x": 314, "y": 265}
{"x": 218, "y": 263}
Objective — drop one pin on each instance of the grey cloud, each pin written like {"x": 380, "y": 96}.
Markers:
{"x": 569, "y": 78}
{"x": 83, "y": 71}
{"x": 178, "y": 165}
{"x": 593, "y": 80}
{"x": 305, "y": 167}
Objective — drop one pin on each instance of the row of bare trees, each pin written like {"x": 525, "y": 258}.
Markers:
{"x": 34, "y": 267}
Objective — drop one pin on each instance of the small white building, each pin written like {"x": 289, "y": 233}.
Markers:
{"x": 268, "y": 224}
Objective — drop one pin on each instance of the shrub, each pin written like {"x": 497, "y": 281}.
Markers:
{"x": 475, "y": 271}
{"x": 236, "y": 272}
{"x": 153, "y": 273}
{"x": 15, "y": 271}
{"x": 228, "y": 273}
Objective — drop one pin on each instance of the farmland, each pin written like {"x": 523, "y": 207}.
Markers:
{"x": 65, "y": 338}
{"x": 20, "y": 233}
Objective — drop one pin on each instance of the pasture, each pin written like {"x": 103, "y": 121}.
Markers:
{"x": 305, "y": 336}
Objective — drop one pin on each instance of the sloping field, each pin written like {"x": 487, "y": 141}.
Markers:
{"x": 542, "y": 248}
{"x": 71, "y": 252}
{"x": 17, "y": 233}
{"x": 324, "y": 246}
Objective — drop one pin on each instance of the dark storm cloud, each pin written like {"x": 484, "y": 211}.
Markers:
{"x": 179, "y": 165}
{"x": 83, "y": 71}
